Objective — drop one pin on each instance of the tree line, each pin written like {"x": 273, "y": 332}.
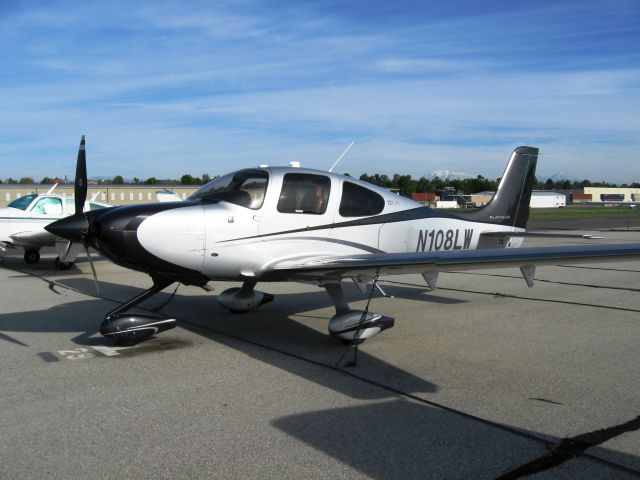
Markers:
{"x": 186, "y": 179}
{"x": 407, "y": 185}
{"x": 403, "y": 183}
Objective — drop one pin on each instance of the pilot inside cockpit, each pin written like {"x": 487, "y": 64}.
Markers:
{"x": 315, "y": 199}
{"x": 304, "y": 193}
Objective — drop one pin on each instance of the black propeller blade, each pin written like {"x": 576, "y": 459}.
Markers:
{"x": 76, "y": 227}
{"x": 80, "y": 188}
{"x": 93, "y": 268}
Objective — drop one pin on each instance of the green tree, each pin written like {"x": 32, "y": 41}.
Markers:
{"x": 118, "y": 180}
{"x": 405, "y": 184}
{"x": 187, "y": 179}
{"x": 151, "y": 181}
{"x": 425, "y": 185}
{"x": 26, "y": 181}
{"x": 438, "y": 184}
{"x": 46, "y": 181}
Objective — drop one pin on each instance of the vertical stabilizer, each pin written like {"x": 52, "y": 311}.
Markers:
{"x": 510, "y": 205}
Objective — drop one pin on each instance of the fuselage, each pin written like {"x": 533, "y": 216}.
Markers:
{"x": 238, "y": 225}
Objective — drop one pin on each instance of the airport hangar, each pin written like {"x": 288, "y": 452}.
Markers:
{"x": 107, "y": 193}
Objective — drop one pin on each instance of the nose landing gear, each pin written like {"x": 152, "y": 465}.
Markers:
{"x": 133, "y": 328}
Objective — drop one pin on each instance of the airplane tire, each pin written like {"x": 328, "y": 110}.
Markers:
{"x": 62, "y": 265}
{"x": 31, "y": 256}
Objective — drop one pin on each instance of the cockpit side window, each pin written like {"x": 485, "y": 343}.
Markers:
{"x": 304, "y": 193}
{"x": 23, "y": 202}
{"x": 358, "y": 201}
{"x": 245, "y": 188}
{"x": 48, "y": 206}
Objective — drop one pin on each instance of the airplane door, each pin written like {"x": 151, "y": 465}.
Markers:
{"x": 232, "y": 221}
{"x": 303, "y": 201}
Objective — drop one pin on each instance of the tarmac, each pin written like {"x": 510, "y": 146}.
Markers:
{"x": 482, "y": 378}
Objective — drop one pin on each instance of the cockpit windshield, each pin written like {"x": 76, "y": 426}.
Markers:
{"x": 23, "y": 202}
{"x": 246, "y": 188}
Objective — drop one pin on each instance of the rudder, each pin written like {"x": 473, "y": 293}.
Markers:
{"x": 510, "y": 205}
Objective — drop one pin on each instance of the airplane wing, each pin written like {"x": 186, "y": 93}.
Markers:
{"x": 34, "y": 238}
{"x": 335, "y": 268}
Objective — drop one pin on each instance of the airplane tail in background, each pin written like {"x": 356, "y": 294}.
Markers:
{"x": 510, "y": 205}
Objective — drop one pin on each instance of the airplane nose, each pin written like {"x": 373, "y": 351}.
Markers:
{"x": 71, "y": 228}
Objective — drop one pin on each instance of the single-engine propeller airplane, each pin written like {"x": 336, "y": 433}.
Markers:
{"x": 272, "y": 224}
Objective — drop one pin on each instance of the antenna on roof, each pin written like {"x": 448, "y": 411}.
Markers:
{"x": 340, "y": 157}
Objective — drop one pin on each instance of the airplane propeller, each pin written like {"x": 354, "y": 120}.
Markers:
{"x": 76, "y": 227}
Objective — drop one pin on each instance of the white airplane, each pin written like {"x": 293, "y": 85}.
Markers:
{"x": 22, "y": 224}
{"x": 272, "y": 224}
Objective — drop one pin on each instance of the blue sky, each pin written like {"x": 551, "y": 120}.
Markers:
{"x": 163, "y": 88}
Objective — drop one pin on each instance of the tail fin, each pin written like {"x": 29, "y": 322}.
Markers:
{"x": 510, "y": 205}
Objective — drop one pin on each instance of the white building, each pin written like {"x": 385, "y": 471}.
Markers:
{"x": 544, "y": 199}
{"x": 629, "y": 194}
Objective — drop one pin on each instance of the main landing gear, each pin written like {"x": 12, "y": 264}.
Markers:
{"x": 135, "y": 327}
{"x": 350, "y": 326}
{"x": 238, "y": 300}
{"x": 31, "y": 256}
{"x": 59, "y": 265}
{"x": 354, "y": 326}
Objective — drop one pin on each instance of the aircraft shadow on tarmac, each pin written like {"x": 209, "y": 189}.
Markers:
{"x": 400, "y": 439}
{"x": 268, "y": 334}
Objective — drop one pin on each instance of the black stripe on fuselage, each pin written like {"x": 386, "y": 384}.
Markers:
{"x": 417, "y": 213}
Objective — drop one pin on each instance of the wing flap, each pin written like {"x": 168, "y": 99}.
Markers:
{"x": 507, "y": 234}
